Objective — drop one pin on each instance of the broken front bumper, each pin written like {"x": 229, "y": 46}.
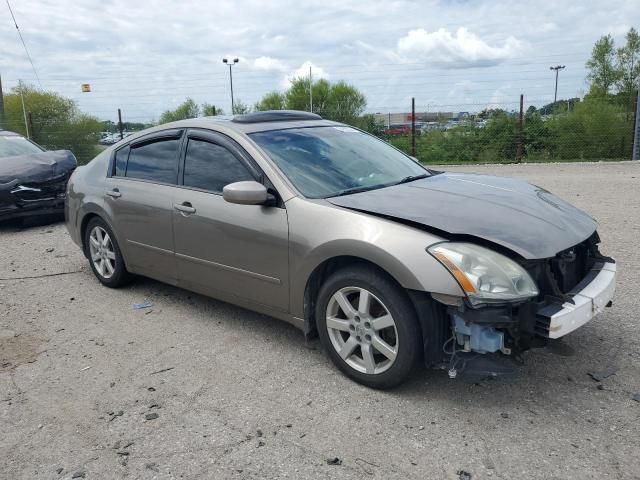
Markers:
{"x": 588, "y": 299}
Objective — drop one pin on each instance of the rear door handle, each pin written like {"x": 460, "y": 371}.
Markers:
{"x": 115, "y": 193}
{"x": 184, "y": 207}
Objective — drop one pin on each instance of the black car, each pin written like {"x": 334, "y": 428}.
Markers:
{"x": 32, "y": 181}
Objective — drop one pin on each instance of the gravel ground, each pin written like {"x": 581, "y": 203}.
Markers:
{"x": 196, "y": 388}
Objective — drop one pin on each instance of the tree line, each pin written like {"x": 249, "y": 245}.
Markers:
{"x": 596, "y": 127}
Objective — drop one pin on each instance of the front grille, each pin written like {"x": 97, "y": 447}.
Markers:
{"x": 41, "y": 191}
{"x": 557, "y": 276}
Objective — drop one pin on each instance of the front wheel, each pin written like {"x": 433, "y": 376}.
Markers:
{"x": 368, "y": 326}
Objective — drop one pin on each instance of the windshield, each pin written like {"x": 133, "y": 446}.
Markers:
{"x": 13, "y": 145}
{"x": 329, "y": 161}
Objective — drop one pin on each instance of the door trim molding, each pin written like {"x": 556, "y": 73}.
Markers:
{"x": 150, "y": 247}
{"x": 221, "y": 266}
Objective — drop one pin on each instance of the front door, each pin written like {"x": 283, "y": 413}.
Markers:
{"x": 234, "y": 252}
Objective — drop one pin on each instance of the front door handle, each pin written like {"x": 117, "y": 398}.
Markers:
{"x": 115, "y": 193}
{"x": 185, "y": 207}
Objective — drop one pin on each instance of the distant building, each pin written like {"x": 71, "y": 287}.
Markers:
{"x": 388, "y": 119}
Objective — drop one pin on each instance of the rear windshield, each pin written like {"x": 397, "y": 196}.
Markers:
{"x": 13, "y": 145}
{"x": 327, "y": 161}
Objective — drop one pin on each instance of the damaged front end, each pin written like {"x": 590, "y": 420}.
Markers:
{"x": 34, "y": 184}
{"x": 547, "y": 299}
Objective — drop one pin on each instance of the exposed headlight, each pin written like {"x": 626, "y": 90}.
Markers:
{"x": 484, "y": 275}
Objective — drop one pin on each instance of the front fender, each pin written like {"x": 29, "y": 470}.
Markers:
{"x": 320, "y": 231}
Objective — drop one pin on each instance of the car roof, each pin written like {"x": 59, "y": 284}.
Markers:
{"x": 256, "y": 122}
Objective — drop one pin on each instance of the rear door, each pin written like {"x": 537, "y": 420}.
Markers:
{"x": 229, "y": 251}
{"x": 139, "y": 195}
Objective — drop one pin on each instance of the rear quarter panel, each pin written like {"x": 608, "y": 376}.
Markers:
{"x": 85, "y": 194}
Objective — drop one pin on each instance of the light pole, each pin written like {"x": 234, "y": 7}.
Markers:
{"x": 231, "y": 63}
{"x": 557, "y": 68}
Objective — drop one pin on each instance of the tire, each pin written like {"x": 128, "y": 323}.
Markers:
{"x": 106, "y": 261}
{"x": 378, "y": 317}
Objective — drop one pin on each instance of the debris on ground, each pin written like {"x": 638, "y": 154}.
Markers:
{"x": 113, "y": 415}
{"x": 602, "y": 374}
{"x": 259, "y": 433}
{"x": 334, "y": 461}
{"x": 636, "y": 397}
{"x": 153, "y": 466}
{"x": 151, "y": 416}
{"x": 162, "y": 371}
{"x": 79, "y": 474}
{"x": 600, "y": 387}
{"x": 59, "y": 470}
{"x": 261, "y": 444}
{"x": 504, "y": 415}
{"x": 49, "y": 250}
{"x": 140, "y": 306}
{"x": 463, "y": 475}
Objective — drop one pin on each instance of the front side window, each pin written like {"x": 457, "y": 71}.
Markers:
{"x": 209, "y": 166}
{"x": 156, "y": 161}
{"x": 324, "y": 162}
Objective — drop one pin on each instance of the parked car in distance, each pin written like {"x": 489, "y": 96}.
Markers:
{"x": 337, "y": 232}
{"x": 32, "y": 180}
{"x": 398, "y": 130}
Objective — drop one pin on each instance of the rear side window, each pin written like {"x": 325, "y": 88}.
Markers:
{"x": 210, "y": 167}
{"x": 121, "y": 162}
{"x": 156, "y": 161}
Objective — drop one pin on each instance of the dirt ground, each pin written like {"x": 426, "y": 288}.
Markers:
{"x": 195, "y": 388}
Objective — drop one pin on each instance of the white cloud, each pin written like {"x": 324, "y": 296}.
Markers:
{"x": 303, "y": 72}
{"x": 463, "y": 49}
{"x": 268, "y": 64}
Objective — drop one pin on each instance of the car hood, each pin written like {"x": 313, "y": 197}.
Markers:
{"x": 524, "y": 218}
{"x": 36, "y": 167}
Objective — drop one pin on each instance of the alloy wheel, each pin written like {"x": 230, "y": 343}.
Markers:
{"x": 362, "y": 330}
{"x": 102, "y": 252}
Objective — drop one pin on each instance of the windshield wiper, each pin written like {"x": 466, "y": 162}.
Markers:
{"x": 349, "y": 191}
{"x": 411, "y": 178}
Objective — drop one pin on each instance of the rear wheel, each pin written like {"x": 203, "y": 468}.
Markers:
{"x": 104, "y": 254}
{"x": 368, "y": 326}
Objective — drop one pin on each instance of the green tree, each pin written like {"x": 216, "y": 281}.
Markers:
{"x": 187, "y": 109}
{"x": 603, "y": 72}
{"x": 240, "y": 108}
{"x": 271, "y": 101}
{"x": 628, "y": 58}
{"x": 57, "y": 124}
{"x": 338, "y": 101}
{"x": 209, "y": 110}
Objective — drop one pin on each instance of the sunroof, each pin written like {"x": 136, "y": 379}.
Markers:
{"x": 276, "y": 116}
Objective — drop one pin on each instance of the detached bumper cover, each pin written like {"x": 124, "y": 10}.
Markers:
{"x": 589, "y": 297}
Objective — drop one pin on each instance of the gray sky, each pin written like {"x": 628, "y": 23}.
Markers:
{"x": 455, "y": 55}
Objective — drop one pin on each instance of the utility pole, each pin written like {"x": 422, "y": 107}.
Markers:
{"x": 310, "y": 91}
{"x": 413, "y": 127}
{"x": 24, "y": 110}
{"x": 636, "y": 130}
{"x": 120, "y": 124}
{"x": 2, "y": 124}
{"x": 230, "y": 63}
{"x": 520, "y": 119}
{"x": 557, "y": 68}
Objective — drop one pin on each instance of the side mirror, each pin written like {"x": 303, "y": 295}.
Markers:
{"x": 245, "y": 193}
